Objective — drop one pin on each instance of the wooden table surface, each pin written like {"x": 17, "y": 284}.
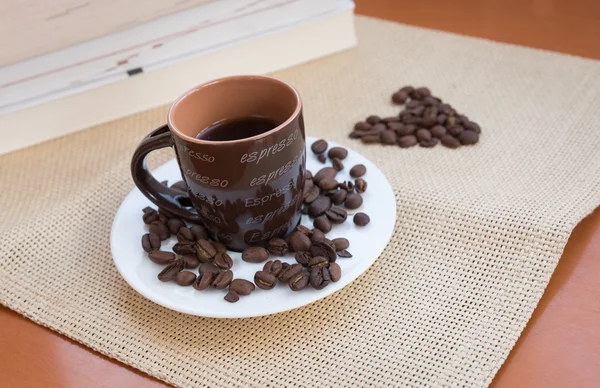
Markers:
{"x": 561, "y": 345}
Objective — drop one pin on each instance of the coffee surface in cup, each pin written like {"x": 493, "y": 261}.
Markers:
{"x": 237, "y": 128}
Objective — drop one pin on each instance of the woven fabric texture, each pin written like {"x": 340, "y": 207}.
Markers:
{"x": 479, "y": 232}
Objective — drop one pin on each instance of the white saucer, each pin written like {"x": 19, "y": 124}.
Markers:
{"x": 366, "y": 244}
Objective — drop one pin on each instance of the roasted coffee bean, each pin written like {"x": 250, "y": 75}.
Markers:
{"x": 441, "y": 119}
{"x": 318, "y": 261}
{"x": 277, "y": 246}
{"x": 396, "y": 125}
{"x": 360, "y": 185}
{"x": 408, "y": 89}
{"x": 438, "y": 131}
{"x": 417, "y": 111}
{"x": 388, "y": 137}
{"x": 204, "y": 251}
{"x": 468, "y": 138}
{"x": 163, "y": 219}
{"x": 219, "y": 246}
{"x": 223, "y": 260}
{"x": 407, "y": 141}
{"x": 370, "y": 139}
{"x": 347, "y": 186}
{"x": 335, "y": 272}
{"x": 319, "y": 278}
{"x": 184, "y": 248}
{"x": 190, "y": 261}
{"x": 150, "y": 216}
{"x": 362, "y": 126}
{"x": 463, "y": 118}
{"x": 273, "y": 267}
{"x": 358, "y": 170}
{"x": 290, "y": 272}
{"x": 336, "y": 215}
{"x": 160, "y": 230}
{"x": 373, "y": 119}
{"x": 456, "y": 130}
{"x": 265, "y": 280}
{"x": 452, "y": 121}
{"x": 472, "y": 126}
{"x": 319, "y": 146}
{"x": 344, "y": 253}
{"x": 420, "y": 93}
{"x": 308, "y": 184}
{"x": 231, "y": 297}
{"x": 390, "y": 119}
{"x": 150, "y": 242}
{"x": 355, "y": 135}
{"x": 185, "y": 235}
{"x": 323, "y": 248}
{"x": 185, "y": 278}
{"x": 338, "y": 152}
{"x": 450, "y": 141}
{"x": 399, "y": 97}
{"x": 199, "y": 232}
{"x": 447, "y": 109}
{"x": 428, "y": 122}
{"x": 431, "y": 100}
{"x": 148, "y": 209}
{"x": 241, "y": 286}
{"x": 319, "y": 206}
{"x": 222, "y": 280}
{"x": 311, "y": 195}
{"x": 328, "y": 184}
{"x": 337, "y": 164}
{"x": 339, "y": 197}
{"x": 407, "y": 129}
{"x": 353, "y": 201}
{"x": 325, "y": 173}
{"x": 323, "y": 224}
{"x": 429, "y": 143}
{"x": 413, "y": 104}
{"x": 423, "y": 134}
{"x": 203, "y": 281}
{"x": 174, "y": 224}
{"x": 180, "y": 185}
{"x": 341, "y": 243}
{"x": 170, "y": 271}
{"x": 208, "y": 267}
{"x": 299, "y": 281}
{"x": 255, "y": 255}
{"x": 322, "y": 158}
{"x": 161, "y": 257}
{"x": 298, "y": 241}
{"x": 361, "y": 219}
{"x": 317, "y": 236}
{"x": 303, "y": 257}
{"x": 303, "y": 229}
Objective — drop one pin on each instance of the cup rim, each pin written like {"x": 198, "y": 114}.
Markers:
{"x": 194, "y": 89}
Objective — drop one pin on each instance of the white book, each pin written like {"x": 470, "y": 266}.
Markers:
{"x": 258, "y": 46}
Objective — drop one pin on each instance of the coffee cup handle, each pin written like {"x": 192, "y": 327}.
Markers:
{"x": 164, "y": 197}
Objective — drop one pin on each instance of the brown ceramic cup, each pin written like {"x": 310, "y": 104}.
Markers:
{"x": 244, "y": 191}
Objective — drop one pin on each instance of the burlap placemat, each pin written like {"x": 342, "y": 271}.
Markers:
{"x": 479, "y": 229}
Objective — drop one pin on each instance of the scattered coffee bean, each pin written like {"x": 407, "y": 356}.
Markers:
{"x": 341, "y": 243}
{"x": 241, "y": 286}
{"x": 361, "y": 219}
{"x": 370, "y": 139}
{"x": 321, "y": 158}
{"x": 184, "y": 248}
{"x": 303, "y": 258}
{"x": 273, "y": 267}
{"x": 472, "y": 126}
{"x": 347, "y": 186}
{"x": 337, "y": 164}
{"x": 353, "y": 201}
{"x": 325, "y": 173}
{"x": 174, "y": 224}
{"x": 318, "y": 261}
{"x": 400, "y": 97}
{"x": 208, "y": 267}
{"x": 255, "y": 255}
{"x": 362, "y": 126}
{"x": 190, "y": 261}
{"x": 423, "y": 134}
{"x": 317, "y": 236}
{"x": 160, "y": 230}
{"x": 303, "y": 229}
{"x": 344, "y": 253}
{"x": 277, "y": 246}
{"x": 290, "y": 272}
{"x": 468, "y": 138}
{"x": 150, "y": 216}
{"x": 429, "y": 143}
{"x": 299, "y": 281}
{"x": 311, "y": 195}
{"x": 360, "y": 185}
{"x": 319, "y": 206}
{"x": 232, "y": 297}
{"x": 170, "y": 271}
{"x": 335, "y": 272}
{"x": 185, "y": 278}
{"x": 338, "y": 152}
{"x": 204, "y": 251}
{"x": 298, "y": 242}
{"x": 219, "y": 246}
{"x": 323, "y": 248}
{"x": 319, "y": 278}
{"x": 199, "y": 232}
{"x": 388, "y": 137}
{"x": 185, "y": 235}
{"x": 407, "y": 141}
{"x": 336, "y": 215}
{"x": 358, "y": 171}
{"x": 328, "y": 184}
{"x": 203, "y": 281}
{"x": 150, "y": 242}
{"x": 223, "y": 260}
{"x": 319, "y": 146}
{"x": 456, "y": 130}
{"x": 450, "y": 141}
{"x": 373, "y": 119}
{"x": 265, "y": 280}
{"x": 339, "y": 197}
{"x": 428, "y": 122}
{"x": 161, "y": 257}
{"x": 438, "y": 131}
{"x": 222, "y": 280}
{"x": 323, "y": 224}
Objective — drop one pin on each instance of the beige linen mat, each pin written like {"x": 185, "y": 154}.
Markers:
{"x": 479, "y": 232}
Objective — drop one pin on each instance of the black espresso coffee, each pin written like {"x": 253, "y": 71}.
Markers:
{"x": 240, "y": 128}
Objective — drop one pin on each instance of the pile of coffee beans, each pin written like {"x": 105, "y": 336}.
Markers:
{"x": 425, "y": 120}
